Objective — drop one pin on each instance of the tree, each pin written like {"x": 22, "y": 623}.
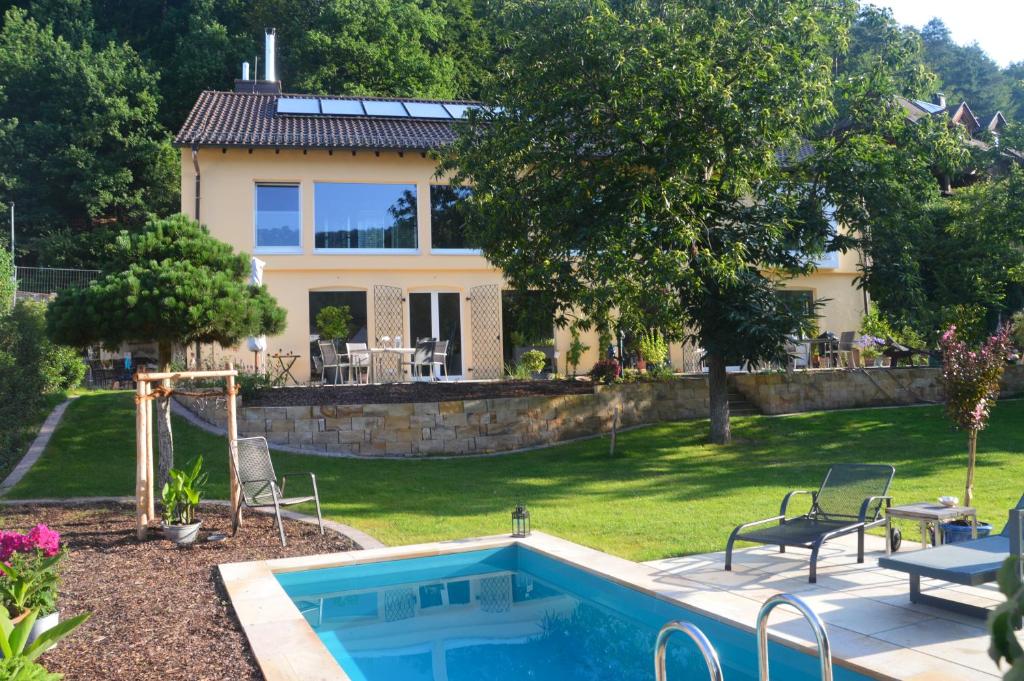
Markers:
{"x": 334, "y": 323}
{"x": 965, "y": 72}
{"x": 86, "y": 147}
{"x": 172, "y": 284}
{"x": 634, "y": 162}
{"x": 971, "y": 381}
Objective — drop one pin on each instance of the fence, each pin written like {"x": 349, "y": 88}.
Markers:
{"x": 46, "y": 280}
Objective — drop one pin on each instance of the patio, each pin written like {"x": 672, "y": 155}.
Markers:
{"x": 870, "y": 619}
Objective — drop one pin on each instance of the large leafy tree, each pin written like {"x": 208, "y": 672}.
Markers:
{"x": 635, "y": 162}
{"x": 86, "y": 146}
{"x": 965, "y": 72}
{"x": 173, "y": 284}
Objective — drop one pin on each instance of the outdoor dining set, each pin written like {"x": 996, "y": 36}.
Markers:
{"x": 388, "y": 361}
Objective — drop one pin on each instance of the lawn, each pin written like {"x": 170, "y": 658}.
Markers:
{"x": 665, "y": 493}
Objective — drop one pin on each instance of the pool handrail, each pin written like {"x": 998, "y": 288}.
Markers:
{"x": 698, "y": 637}
{"x": 817, "y": 625}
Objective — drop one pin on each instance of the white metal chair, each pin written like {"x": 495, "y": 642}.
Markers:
{"x": 358, "y": 360}
{"x": 330, "y": 359}
{"x": 422, "y": 358}
{"x": 440, "y": 360}
{"x": 250, "y": 458}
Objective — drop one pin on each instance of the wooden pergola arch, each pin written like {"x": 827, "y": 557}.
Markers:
{"x": 145, "y": 393}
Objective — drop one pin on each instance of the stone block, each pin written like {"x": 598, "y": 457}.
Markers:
{"x": 367, "y": 422}
{"x": 299, "y": 412}
{"x": 398, "y": 448}
{"x": 275, "y": 413}
{"x": 278, "y": 437}
{"x": 474, "y": 406}
{"x": 309, "y": 425}
{"x": 466, "y": 432}
{"x": 352, "y": 436}
{"x": 280, "y": 426}
{"x": 426, "y": 408}
{"x": 338, "y": 424}
{"x": 327, "y": 437}
{"x": 423, "y": 420}
{"x": 449, "y": 408}
{"x": 348, "y": 410}
{"x": 252, "y": 414}
{"x": 300, "y": 438}
{"x": 442, "y": 433}
{"x": 429, "y": 447}
{"x": 326, "y": 411}
{"x": 454, "y": 419}
{"x": 497, "y": 443}
{"x": 459, "y": 446}
{"x": 398, "y": 435}
{"x": 396, "y": 422}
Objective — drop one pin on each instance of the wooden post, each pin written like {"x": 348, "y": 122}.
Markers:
{"x": 232, "y": 427}
{"x": 142, "y": 480}
{"x": 150, "y": 506}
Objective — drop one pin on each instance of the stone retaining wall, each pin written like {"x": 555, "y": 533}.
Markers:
{"x": 783, "y": 393}
{"x": 468, "y": 426}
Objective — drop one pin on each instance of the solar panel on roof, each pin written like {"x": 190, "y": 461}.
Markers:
{"x": 298, "y": 105}
{"x": 426, "y": 110}
{"x": 342, "y": 107}
{"x": 379, "y": 108}
{"x": 460, "y": 110}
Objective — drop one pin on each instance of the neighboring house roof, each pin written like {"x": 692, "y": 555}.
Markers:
{"x": 252, "y": 119}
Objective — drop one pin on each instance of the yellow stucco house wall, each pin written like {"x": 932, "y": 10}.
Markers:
{"x": 239, "y": 141}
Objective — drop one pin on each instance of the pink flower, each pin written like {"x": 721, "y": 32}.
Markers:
{"x": 44, "y": 539}
{"x": 12, "y": 542}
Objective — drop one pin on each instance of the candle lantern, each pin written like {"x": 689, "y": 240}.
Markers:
{"x": 520, "y": 521}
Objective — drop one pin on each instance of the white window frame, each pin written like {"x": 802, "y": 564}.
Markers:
{"x": 368, "y": 251}
{"x": 274, "y": 250}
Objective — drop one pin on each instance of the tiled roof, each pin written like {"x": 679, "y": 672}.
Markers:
{"x": 250, "y": 119}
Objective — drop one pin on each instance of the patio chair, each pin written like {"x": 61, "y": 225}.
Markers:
{"x": 421, "y": 359}
{"x": 971, "y": 563}
{"x": 330, "y": 359}
{"x": 849, "y": 500}
{"x": 846, "y": 349}
{"x": 440, "y": 359}
{"x": 358, "y": 360}
{"x": 250, "y": 459}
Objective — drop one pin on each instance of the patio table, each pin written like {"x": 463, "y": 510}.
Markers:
{"x": 376, "y": 353}
{"x": 927, "y": 513}
{"x": 282, "y": 366}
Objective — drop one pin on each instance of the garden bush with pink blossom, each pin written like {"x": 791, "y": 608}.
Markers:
{"x": 30, "y": 570}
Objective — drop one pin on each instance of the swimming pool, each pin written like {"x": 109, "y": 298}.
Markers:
{"x": 510, "y": 614}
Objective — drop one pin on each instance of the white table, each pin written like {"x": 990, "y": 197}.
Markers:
{"x": 375, "y": 353}
{"x": 926, "y": 513}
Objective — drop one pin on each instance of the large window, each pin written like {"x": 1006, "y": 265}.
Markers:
{"x": 447, "y": 222}
{"x": 364, "y": 216}
{"x": 278, "y": 225}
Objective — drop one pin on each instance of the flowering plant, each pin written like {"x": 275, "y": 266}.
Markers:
{"x": 971, "y": 379}
{"x": 870, "y": 346}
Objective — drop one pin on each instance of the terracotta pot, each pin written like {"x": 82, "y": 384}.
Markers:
{"x": 20, "y": 617}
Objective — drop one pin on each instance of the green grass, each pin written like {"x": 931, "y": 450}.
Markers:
{"x": 665, "y": 493}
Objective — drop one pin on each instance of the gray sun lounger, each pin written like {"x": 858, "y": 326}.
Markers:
{"x": 849, "y": 500}
{"x": 970, "y": 563}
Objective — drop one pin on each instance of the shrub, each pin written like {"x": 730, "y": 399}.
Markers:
{"x": 1017, "y": 330}
{"x": 575, "y": 352}
{"x": 21, "y": 669}
{"x": 62, "y": 369}
{"x": 250, "y": 385}
{"x": 334, "y": 323}
{"x": 652, "y": 347}
{"x": 605, "y": 371}
{"x": 7, "y": 283}
{"x": 518, "y": 371}
{"x": 533, "y": 361}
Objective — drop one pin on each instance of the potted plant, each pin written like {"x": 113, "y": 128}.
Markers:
{"x": 870, "y": 349}
{"x": 971, "y": 381}
{"x": 20, "y": 650}
{"x": 181, "y": 495}
{"x": 30, "y": 566}
{"x": 653, "y": 349}
{"x": 534, "y": 361}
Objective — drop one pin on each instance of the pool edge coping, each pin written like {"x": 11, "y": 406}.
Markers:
{"x": 262, "y": 606}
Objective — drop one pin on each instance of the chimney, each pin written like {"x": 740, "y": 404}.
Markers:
{"x": 245, "y": 70}
{"x": 269, "y": 66}
{"x": 939, "y": 99}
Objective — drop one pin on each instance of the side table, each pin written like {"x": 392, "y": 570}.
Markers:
{"x": 926, "y": 514}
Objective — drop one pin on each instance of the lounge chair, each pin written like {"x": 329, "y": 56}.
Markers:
{"x": 849, "y": 500}
{"x": 250, "y": 458}
{"x": 970, "y": 563}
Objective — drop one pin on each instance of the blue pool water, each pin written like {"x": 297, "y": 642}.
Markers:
{"x": 511, "y": 614}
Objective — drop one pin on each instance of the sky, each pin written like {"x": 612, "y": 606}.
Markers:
{"x": 994, "y": 24}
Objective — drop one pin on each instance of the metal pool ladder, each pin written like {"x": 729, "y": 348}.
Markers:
{"x": 824, "y": 647}
{"x": 703, "y": 644}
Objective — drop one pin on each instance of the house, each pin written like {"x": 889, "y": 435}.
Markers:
{"x": 340, "y": 198}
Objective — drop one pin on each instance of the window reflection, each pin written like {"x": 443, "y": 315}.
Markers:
{"x": 277, "y": 216}
{"x": 351, "y": 215}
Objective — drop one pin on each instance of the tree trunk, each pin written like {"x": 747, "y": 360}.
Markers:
{"x": 718, "y": 393}
{"x": 972, "y": 448}
{"x": 165, "y": 439}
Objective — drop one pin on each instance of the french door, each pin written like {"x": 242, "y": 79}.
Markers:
{"x": 438, "y": 314}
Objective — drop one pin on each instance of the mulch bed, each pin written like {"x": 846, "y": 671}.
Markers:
{"x": 158, "y": 612}
{"x": 414, "y": 392}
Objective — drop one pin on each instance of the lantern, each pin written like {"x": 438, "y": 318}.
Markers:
{"x": 520, "y": 521}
